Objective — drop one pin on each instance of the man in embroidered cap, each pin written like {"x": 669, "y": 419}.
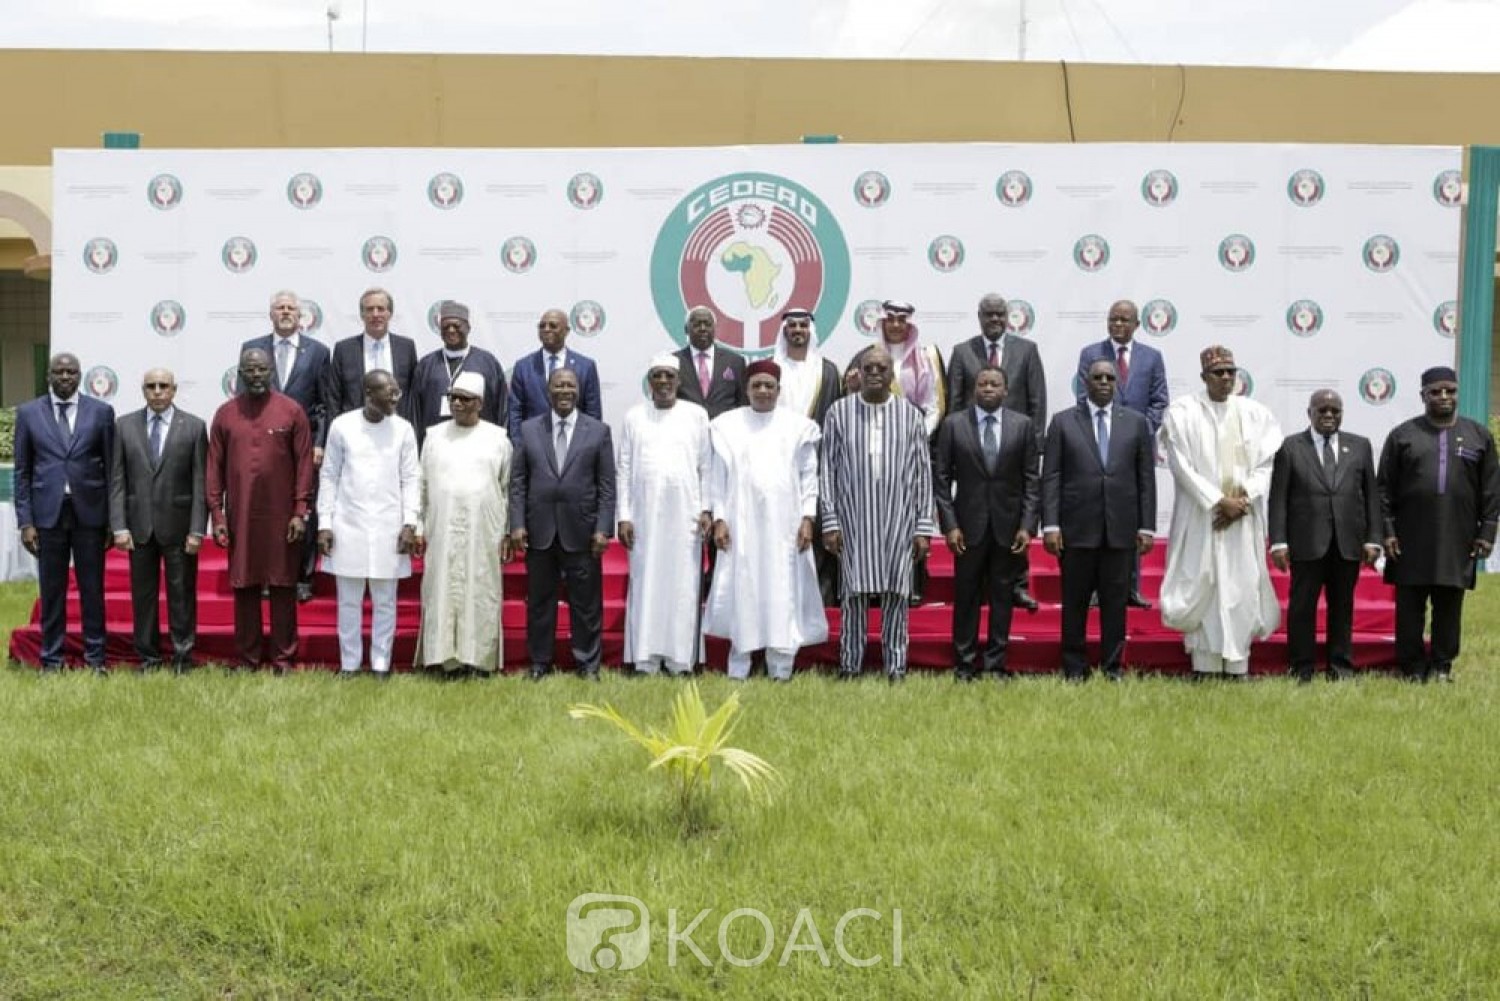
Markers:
{"x": 465, "y": 511}
{"x": 710, "y": 375}
{"x": 763, "y": 492}
{"x": 661, "y": 518}
{"x": 1440, "y": 498}
{"x": 810, "y": 383}
{"x": 1217, "y": 590}
{"x": 427, "y": 403}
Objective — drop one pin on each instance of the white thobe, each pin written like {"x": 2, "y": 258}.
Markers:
{"x": 367, "y": 490}
{"x": 659, "y": 478}
{"x": 1217, "y": 590}
{"x": 465, "y": 506}
{"x": 763, "y": 482}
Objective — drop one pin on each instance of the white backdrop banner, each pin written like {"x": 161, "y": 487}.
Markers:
{"x": 1320, "y": 266}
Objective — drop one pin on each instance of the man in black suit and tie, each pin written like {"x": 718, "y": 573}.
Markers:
{"x": 562, "y": 514}
{"x": 1324, "y": 522}
{"x": 1026, "y": 391}
{"x": 63, "y": 445}
{"x": 1098, "y": 514}
{"x": 298, "y": 365}
{"x": 710, "y": 376}
{"x": 985, "y": 476}
{"x": 157, "y": 510}
{"x": 376, "y": 348}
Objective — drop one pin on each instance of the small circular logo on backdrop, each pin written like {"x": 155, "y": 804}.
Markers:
{"x": 1020, "y": 318}
{"x": 1244, "y": 383}
{"x": 101, "y": 383}
{"x": 1091, "y": 252}
{"x": 229, "y": 382}
{"x": 100, "y": 255}
{"x": 1236, "y": 252}
{"x": 1305, "y": 188}
{"x": 1013, "y": 189}
{"x": 1159, "y": 188}
{"x": 304, "y": 190}
{"x": 164, "y": 192}
{"x": 445, "y": 191}
{"x": 749, "y": 246}
{"x": 239, "y": 254}
{"x": 1159, "y": 317}
{"x": 168, "y": 318}
{"x": 309, "y": 316}
{"x": 1377, "y": 386}
{"x": 1445, "y": 319}
{"x": 586, "y": 318}
{"x": 946, "y": 253}
{"x": 872, "y": 189}
{"x": 1304, "y": 318}
{"x": 1448, "y": 188}
{"x": 518, "y": 255}
{"x": 432, "y": 317}
{"x": 585, "y": 191}
{"x": 378, "y": 254}
{"x": 867, "y": 316}
{"x": 1381, "y": 253}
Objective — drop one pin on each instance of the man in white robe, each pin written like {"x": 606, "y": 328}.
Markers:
{"x": 661, "y": 519}
{"x": 368, "y": 497}
{"x": 465, "y": 511}
{"x": 763, "y": 490}
{"x": 1217, "y": 590}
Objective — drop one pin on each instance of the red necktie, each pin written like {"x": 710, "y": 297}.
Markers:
{"x": 703, "y": 372}
{"x": 995, "y": 353}
{"x": 1122, "y": 366}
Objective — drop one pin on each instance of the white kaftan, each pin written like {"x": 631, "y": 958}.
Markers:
{"x": 367, "y": 490}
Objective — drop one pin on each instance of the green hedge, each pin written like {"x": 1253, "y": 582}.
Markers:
{"x": 7, "y": 434}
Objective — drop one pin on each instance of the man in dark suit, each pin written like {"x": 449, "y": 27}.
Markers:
{"x": 1098, "y": 514}
{"x": 1026, "y": 391}
{"x": 376, "y": 348}
{"x": 1324, "y": 522}
{"x": 157, "y": 509}
{"x": 298, "y": 365}
{"x": 529, "y": 393}
{"x": 708, "y": 375}
{"x": 985, "y": 476}
{"x": 1141, "y": 386}
{"x": 562, "y": 514}
{"x": 63, "y": 445}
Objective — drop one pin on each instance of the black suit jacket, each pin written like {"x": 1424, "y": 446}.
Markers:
{"x": 973, "y": 497}
{"x": 344, "y": 377}
{"x": 566, "y": 505}
{"x": 1307, "y": 513}
{"x": 306, "y": 384}
{"x": 726, "y": 383}
{"x": 1026, "y": 384}
{"x": 167, "y": 501}
{"x": 1094, "y": 505}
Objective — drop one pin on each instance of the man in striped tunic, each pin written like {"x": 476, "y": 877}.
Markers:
{"x": 877, "y": 509}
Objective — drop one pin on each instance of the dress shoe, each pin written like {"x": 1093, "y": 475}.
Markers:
{"x": 1078, "y": 678}
{"x": 1114, "y": 675}
{"x": 1340, "y": 673}
{"x": 846, "y": 675}
{"x": 1003, "y": 675}
{"x": 538, "y": 672}
{"x": 1442, "y": 677}
{"x": 99, "y": 670}
{"x": 347, "y": 675}
{"x": 964, "y": 674}
{"x": 382, "y": 675}
{"x": 1303, "y": 675}
{"x": 1022, "y": 599}
{"x": 51, "y": 668}
{"x": 589, "y": 674}
{"x": 896, "y": 677}
{"x": 304, "y": 591}
{"x": 1138, "y": 600}
{"x": 150, "y": 666}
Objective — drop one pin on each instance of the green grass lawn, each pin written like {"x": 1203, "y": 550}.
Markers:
{"x": 233, "y": 836}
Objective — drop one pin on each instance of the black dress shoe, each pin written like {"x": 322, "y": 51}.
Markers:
{"x": 99, "y": 670}
{"x": 896, "y": 677}
{"x": 963, "y": 674}
{"x": 51, "y": 668}
{"x": 538, "y": 672}
{"x": 1022, "y": 599}
{"x": 1114, "y": 675}
{"x": 1138, "y": 600}
{"x": 844, "y": 675}
{"x": 589, "y": 674}
{"x": 1340, "y": 673}
{"x": 1078, "y": 678}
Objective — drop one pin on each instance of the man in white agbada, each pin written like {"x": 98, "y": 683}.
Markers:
{"x": 763, "y": 490}
{"x": 661, "y": 518}
{"x": 465, "y": 508}
{"x": 368, "y": 497}
{"x": 1217, "y": 590}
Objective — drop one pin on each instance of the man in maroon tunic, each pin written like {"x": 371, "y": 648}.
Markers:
{"x": 260, "y": 479}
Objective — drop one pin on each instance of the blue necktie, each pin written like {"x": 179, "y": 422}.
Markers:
{"x": 155, "y": 439}
{"x": 62, "y": 421}
{"x": 990, "y": 442}
{"x": 1102, "y": 430}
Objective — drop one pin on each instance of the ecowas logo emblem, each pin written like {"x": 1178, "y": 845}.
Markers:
{"x": 100, "y": 255}
{"x": 239, "y": 254}
{"x": 1159, "y": 317}
{"x": 1448, "y": 188}
{"x": 518, "y": 255}
{"x": 378, "y": 254}
{"x": 867, "y": 316}
{"x": 1377, "y": 386}
{"x": 1381, "y": 253}
{"x": 168, "y": 318}
{"x": 1237, "y": 252}
{"x": 445, "y": 191}
{"x": 1244, "y": 383}
{"x": 585, "y": 191}
{"x": 309, "y": 316}
{"x": 1304, "y": 318}
{"x": 304, "y": 190}
{"x": 1305, "y": 188}
{"x": 1091, "y": 252}
{"x": 1445, "y": 319}
{"x": 1020, "y": 318}
{"x": 1013, "y": 189}
{"x": 1159, "y": 188}
{"x": 945, "y": 253}
{"x": 101, "y": 382}
{"x": 587, "y": 318}
{"x": 749, "y": 246}
{"x": 872, "y": 189}
{"x": 164, "y": 192}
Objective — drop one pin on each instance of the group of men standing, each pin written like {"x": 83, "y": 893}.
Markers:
{"x": 788, "y": 480}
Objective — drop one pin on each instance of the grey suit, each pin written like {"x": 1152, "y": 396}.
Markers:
{"x": 1025, "y": 382}
{"x": 160, "y": 504}
{"x": 561, "y": 509}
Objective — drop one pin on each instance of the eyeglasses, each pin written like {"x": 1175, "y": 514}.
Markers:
{"x": 1222, "y": 372}
{"x": 1103, "y": 377}
{"x": 156, "y": 385}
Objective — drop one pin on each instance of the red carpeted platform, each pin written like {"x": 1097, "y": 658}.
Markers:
{"x": 1034, "y": 637}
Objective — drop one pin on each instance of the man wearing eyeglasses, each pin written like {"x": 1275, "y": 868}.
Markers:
{"x": 1217, "y": 590}
{"x": 1440, "y": 496}
{"x": 436, "y": 372}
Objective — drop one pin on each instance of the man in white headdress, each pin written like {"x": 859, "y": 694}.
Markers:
{"x": 809, "y": 382}
{"x": 763, "y": 489}
{"x": 465, "y": 508}
{"x": 661, "y": 520}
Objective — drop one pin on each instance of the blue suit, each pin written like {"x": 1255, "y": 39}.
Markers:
{"x": 62, "y": 490}
{"x": 1145, "y": 391}
{"x": 306, "y": 384}
{"x": 528, "y": 389}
